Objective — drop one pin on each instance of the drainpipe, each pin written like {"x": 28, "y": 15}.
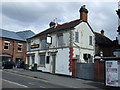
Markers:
{"x": 13, "y": 52}
{"x": 71, "y": 50}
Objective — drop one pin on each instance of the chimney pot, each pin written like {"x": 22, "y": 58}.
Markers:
{"x": 102, "y": 32}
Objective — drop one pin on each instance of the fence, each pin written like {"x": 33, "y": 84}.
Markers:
{"x": 99, "y": 70}
{"x": 85, "y": 70}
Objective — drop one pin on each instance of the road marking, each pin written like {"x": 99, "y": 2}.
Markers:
{"x": 27, "y": 76}
{"x": 15, "y": 83}
{"x": 30, "y": 83}
{"x": 57, "y": 83}
{"x": 42, "y": 87}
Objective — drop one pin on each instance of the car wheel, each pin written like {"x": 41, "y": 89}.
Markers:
{"x": 13, "y": 67}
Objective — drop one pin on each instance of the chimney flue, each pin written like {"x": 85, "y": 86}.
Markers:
{"x": 83, "y": 13}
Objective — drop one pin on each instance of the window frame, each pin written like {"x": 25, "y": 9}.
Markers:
{"x": 77, "y": 37}
{"x": 28, "y": 60}
{"x": 78, "y": 58}
{"x": 60, "y": 39}
{"x": 43, "y": 45}
{"x": 42, "y": 64}
{"x": 21, "y": 47}
{"x": 47, "y": 59}
{"x": 7, "y": 45}
{"x": 90, "y": 40}
{"x": 33, "y": 59}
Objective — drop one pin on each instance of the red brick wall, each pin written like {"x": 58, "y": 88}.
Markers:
{"x": 13, "y": 49}
{"x": 10, "y": 51}
{"x": 83, "y": 16}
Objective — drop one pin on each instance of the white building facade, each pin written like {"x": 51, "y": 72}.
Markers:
{"x": 119, "y": 23}
{"x": 72, "y": 39}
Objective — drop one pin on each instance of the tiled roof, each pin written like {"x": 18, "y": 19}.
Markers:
{"x": 25, "y": 34}
{"x": 21, "y": 36}
{"x": 61, "y": 27}
{"x": 10, "y": 35}
{"x": 102, "y": 40}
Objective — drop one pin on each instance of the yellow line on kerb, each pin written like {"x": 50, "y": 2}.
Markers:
{"x": 42, "y": 87}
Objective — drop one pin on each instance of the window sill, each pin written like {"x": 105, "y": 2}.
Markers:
{"x": 41, "y": 66}
{"x": 19, "y": 51}
{"x": 6, "y": 49}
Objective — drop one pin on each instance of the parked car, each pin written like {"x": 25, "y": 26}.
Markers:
{"x": 20, "y": 64}
{"x": 8, "y": 64}
{"x": 0, "y": 65}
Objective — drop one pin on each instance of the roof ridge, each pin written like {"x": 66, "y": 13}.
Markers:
{"x": 23, "y": 31}
{"x": 5, "y": 34}
{"x": 68, "y": 22}
{"x": 7, "y": 30}
{"x": 63, "y": 26}
{"x": 103, "y": 35}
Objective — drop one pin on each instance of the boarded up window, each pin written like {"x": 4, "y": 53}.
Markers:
{"x": 42, "y": 59}
{"x": 60, "y": 40}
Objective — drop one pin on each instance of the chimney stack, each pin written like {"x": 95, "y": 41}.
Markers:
{"x": 102, "y": 32}
{"x": 83, "y": 13}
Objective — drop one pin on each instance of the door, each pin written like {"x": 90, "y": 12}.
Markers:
{"x": 53, "y": 62}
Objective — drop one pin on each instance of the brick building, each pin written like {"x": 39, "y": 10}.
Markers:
{"x": 13, "y": 45}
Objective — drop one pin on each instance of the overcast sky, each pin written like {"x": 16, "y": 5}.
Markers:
{"x": 36, "y": 16}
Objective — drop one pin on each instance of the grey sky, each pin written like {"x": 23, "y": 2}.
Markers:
{"x": 19, "y": 16}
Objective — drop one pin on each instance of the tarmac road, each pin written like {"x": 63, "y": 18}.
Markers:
{"x": 11, "y": 80}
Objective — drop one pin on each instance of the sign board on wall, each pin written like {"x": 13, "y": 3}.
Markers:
{"x": 35, "y": 43}
{"x": 112, "y": 73}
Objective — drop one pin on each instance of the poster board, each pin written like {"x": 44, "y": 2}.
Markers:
{"x": 112, "y": 73}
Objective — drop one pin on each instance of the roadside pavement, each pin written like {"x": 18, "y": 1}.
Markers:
{"x": 60, "y": 80}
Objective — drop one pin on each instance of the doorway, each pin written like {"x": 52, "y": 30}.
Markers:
{"x": 53, "y": 64}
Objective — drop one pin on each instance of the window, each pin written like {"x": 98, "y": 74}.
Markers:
{"x": 43, "y": 44}
{"x": 42, "y": 59}
{"x": 33, "y": 59}
{"x": 90, "y": 40}
{"x": 60, "y": 40}
{"x": 19, "y": 47}
{"x": 87, "y": 57}
{"x": 28, "y": 60}
{"x": 78, "y": 58}
{"x": 91, "y": 59}
{"x": 6, "y": 45}
{"x": 47, "y": 59}
{"x": 76, "y": 36}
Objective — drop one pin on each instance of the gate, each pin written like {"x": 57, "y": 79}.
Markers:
{"x": 85, "y": 70}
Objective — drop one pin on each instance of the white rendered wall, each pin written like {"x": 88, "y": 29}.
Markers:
{"x": 80, "y": 52}
{"x": 84, "y": 47}
{"x": 118, "y": 24}
{"x": 62, "y": 62}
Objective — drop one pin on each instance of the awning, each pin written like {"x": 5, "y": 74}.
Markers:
{"x": 5, "y": 56}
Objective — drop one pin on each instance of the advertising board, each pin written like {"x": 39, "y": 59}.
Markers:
{"x": 112, "y": 73}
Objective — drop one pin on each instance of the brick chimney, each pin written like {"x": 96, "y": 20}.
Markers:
{"x": 83, "y": 13}
{"x": 102, "y": 32}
